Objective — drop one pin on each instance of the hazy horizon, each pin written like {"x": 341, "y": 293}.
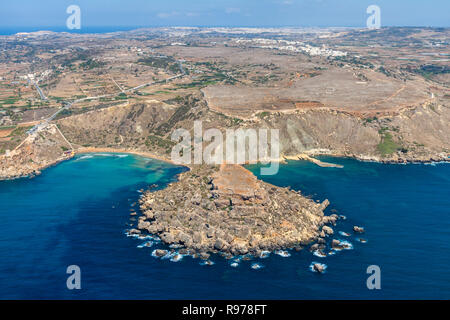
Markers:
{"x": 31, "y": 15}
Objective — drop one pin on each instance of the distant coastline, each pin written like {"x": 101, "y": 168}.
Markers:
{"x": 5, "y": 31}
{"x": 8, "y": 31}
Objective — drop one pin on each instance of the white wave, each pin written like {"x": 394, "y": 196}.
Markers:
{"x": 177, "y": 257}
{"x": 169, "y": 255}
{"x": 346, "y": 245}
{"x": 207, "y": 263}
{"x": 103, "y": 154}
{"x": 319, "y": 254}
{"x": 84, "y": 157}
{"x": 257, "y": 266}
{"x": 283, "y": 253}
{"x": 146, "y": 244}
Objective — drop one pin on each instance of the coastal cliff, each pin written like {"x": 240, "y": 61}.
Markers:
{"x": 413, "y": 134}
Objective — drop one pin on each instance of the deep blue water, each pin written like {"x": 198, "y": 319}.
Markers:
{"x": 75, "y": 213}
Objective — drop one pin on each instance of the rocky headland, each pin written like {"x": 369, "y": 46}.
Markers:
{"x": 228, "y": 210}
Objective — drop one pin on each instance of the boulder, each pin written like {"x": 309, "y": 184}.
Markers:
{"x": 358, "y": 229}
{"x": 219, "y": 244}
{"x": 184, "y": 238}
{"x": 167, "y": 237}
{"x": 134, "y": 231}
{"x": 336, "y": 244}
{"x": 318, "y": 267}
{"x": 327, "y": 230}
{"x": 160, "y": 252}
{"x": 204, "y": 255}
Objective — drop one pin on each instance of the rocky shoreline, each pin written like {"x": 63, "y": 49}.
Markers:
{"x": 444, "y": 158}
{"x": 228, "y": 210}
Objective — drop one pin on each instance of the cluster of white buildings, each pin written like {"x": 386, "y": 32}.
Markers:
{"x": 294, "y": 46}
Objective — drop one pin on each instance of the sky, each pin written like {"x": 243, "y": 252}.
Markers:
{"x": 234, "y": 13}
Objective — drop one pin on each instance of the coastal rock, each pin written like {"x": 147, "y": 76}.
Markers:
{"x": 318, "y": 268}
{"x": 339, "y": 245}
{"x": 358, "y": 229}
{"x": 336, "y": 244}
{"x": 219, "y": 244}
{"x": 134, "y": 231}
{"x": 160, "y": 253}
{"x": 327, "y": 230}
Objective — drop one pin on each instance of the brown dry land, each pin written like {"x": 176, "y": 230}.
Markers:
{"x": 381, "y": 94}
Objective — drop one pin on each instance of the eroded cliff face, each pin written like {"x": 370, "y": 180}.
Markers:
{"x": 414, "y": 134}
{"x": 229, "y": 210}
{"x": 424, "y": 131}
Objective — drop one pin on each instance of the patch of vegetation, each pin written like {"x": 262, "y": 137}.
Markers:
{"x": 158, "y": 62}
{"x": 387, "y": 146}
{"x": 92, "y": 64}
{"x": 161, "y": 91}
{"x": 370, "y": 120}
{"x": 235, "y": 121}
{"x": 153, "y": 140}
{"x": 19, "y": 131}
{"x": 64, "y": 113}
{"x": 384, "y": 71}
{"x": 10, "y": 100}
{"x": 263, "y": 114}
{"x": 121, "y": 96}
{"x": 176, "y": 100}
{"x": 429, "y": 70}
{"x": 179, "y": 115}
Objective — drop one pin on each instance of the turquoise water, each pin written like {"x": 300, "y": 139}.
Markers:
{"x": 76, "y": 213}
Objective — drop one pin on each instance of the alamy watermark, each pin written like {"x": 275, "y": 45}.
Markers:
{"x": 74, "y": 280}
{"x": 241, "y": 146}
{"x": 74, "y": 20}
{"x": 374, "y": 280}
{"x": 374, "y": 20}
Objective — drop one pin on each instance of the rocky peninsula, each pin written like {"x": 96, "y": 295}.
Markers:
{"x": 228, "y": 210}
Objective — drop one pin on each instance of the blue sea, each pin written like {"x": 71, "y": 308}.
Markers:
{"x": 76, "y": 213}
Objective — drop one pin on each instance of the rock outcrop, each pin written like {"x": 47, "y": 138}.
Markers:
{"x": 229, "y": 210}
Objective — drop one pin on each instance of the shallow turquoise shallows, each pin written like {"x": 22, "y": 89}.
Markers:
{"x": 76, "y": 213}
